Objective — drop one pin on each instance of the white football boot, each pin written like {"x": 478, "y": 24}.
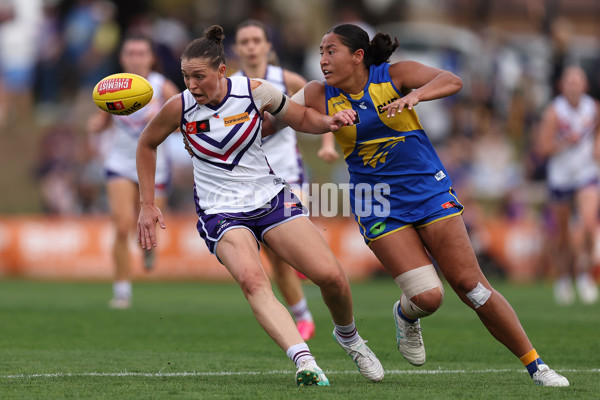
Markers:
{"x": 409, "y": 339}
{"x": 309, "y": 374}
{"x": 544, "y": 376}
{"x": 366, "y": 361}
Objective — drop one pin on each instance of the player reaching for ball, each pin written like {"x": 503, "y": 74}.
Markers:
{"x": 137, "y": 57}
{"x": 252, "y": 46}
{"x": 240, "y": 202}
{"x": 411, "y": 213}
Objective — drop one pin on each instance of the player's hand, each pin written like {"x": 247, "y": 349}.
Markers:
{"x": 341, "y": 119}
{"x": 408, "y": 101}
{"x": 146, "y": 226}
{"x": 328, "y": 154}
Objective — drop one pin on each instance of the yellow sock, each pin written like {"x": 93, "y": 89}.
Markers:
{"x": 529, "y": 357}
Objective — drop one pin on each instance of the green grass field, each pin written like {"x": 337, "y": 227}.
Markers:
{"x": 199, "y": 340}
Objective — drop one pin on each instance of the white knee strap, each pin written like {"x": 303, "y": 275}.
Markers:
{"x": 419, "y": 280}
{"x": 479, "y": 295}
{"x": 414, "y": 282}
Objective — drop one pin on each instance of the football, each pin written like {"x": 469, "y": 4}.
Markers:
{"x": 122, "y": 94}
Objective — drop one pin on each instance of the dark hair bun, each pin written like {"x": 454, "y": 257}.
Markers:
{"x": 215, "y": 33}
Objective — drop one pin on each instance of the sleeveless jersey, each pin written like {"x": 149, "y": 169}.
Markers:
{"x": 126, "y": 130}
{"x": 393, "y": 151}
{"x": 281, "y": 147}
{"x": 231, "y": 173}
{"x": 574, "y": 167}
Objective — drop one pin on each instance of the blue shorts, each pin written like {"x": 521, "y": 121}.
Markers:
{"x": 442, "y": 206}
{"x": 285, "y": 206}
{"x": 566, "y": 195}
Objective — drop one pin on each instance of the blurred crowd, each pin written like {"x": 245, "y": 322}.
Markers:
{"x": 52, "y": 53}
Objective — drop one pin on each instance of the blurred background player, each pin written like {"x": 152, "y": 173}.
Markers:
{"x": 253, "y": 49}
{"x": 137, "y": 57}
{"x": 569, "y": 140}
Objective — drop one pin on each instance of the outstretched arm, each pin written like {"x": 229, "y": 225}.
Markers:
{"x": 427, "y": 83}
{"x": 297, "y": 116}
{"x": 157, "y": 130}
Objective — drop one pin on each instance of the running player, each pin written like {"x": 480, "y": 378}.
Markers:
{"x": 241, "y": 202}
{"x": 252, "y": 47}
{"x": 136, "y": 57}
{"x": 569, "y": 140}
{"x": 404, "y": 203}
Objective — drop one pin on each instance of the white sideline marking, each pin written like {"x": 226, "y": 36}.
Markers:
{"x": 233, "y": 373}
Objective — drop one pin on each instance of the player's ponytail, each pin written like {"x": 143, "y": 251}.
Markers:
{"x": 382, "y": 48}
{"x": 209, "y": 46}
{"x": 377, "y": 51}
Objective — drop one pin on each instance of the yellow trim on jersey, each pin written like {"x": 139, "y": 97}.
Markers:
{"x": 346, "y": 136}
{"x": 383, "y": 94}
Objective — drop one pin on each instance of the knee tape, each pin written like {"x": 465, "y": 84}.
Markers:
{"x": 479, "y": 295}
{"x": 415, "y": 282}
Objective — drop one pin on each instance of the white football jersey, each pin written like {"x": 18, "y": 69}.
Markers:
{"x": 574, "y": 166}
{"x": 126, "y": 130}
{"x": 231, "y": 173}
{"x": 281, "y": 147}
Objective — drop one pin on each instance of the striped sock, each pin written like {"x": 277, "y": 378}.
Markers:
{"x": 300, "y": 311}
{"x": 298, "y": 353}
{"x": 346, "y": 334}
{"x": 531, "y": 360}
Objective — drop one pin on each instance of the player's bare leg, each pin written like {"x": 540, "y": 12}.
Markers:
{"x": 123, "y": 197}
{"x": 406, "y": 242}
{"x": 290, "y": 286}
{"x": 449, "y": 244}
{"x": 313, "y": 258}
{"x": 587, "y": 201}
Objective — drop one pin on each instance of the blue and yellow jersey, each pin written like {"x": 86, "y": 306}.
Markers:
{"x": 393, "y": 151}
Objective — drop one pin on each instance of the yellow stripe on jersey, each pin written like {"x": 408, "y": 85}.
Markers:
{"x": 383, "y": 94}
{"x": 346, "y": 136}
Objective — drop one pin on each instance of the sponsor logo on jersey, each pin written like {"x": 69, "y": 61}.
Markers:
{"x": 380, "y": 106}
{"x": 449, "y": 204}
{"x": 363, "y": 105}
{"x": 236, "y": 119}
{"x": 197, "y": 127}
{"x": 338, "y": 103}
{"x": 114, "y": 85}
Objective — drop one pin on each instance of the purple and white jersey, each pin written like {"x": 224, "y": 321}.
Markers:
{"x": 126, "y": 130}
{"x": 281, "y": 147}
{"x": 231, "y": 172}
{"x": 575, "y": 166}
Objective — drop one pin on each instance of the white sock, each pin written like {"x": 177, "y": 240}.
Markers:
{"x": 346, "y": 334}
{"x": 122, "y": 290}
{"x": 298, "y": 353}
{"x": 300, "y": 311}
